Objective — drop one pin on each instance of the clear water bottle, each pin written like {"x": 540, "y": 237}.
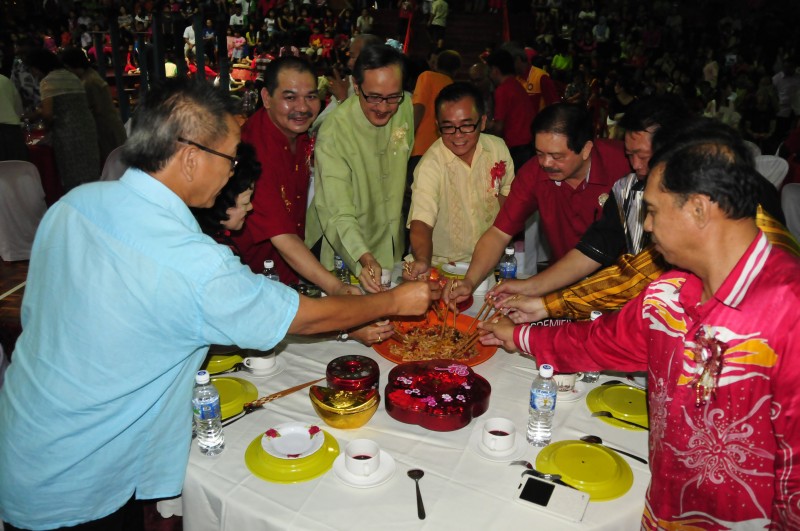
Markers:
{"x": 542, "y": 407}
{"x": 207, "y": 415}
{"x": 269, "y": 271}
{"x": 593, "y": 376}
{"x": 508, "y": 264}
{"x": 340, "y": 269}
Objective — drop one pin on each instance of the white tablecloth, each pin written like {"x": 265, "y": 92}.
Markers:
{"x": 460, "y": 489}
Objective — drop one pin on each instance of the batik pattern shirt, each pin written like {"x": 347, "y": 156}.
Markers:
{"x": 730, "y": 462}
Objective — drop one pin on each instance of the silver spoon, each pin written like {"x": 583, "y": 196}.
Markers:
{"x": 416, "y": 474}
{"x": 594, "y": 439}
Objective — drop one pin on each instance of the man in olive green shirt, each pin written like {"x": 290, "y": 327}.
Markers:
{"x": 360, "y": 171}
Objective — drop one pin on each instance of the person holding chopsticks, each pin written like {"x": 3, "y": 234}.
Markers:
{"x": 124, "y": 296}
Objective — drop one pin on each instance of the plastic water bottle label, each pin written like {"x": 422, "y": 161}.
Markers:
{"x": 543, "y": 400}
{"x": 206, "y": 409}
{"x": 508, "y": 270}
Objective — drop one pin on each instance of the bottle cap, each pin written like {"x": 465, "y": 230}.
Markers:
{"x": 509, "y": 250}
{"x": 546, "y": 371}
{"x": 202, "y": 377}
{"x": 269, "y": 264}
{"x": 595, "y": 314}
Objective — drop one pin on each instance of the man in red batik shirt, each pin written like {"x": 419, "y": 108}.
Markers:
{"x": 568, "y": 184}
{"x": 717, "y": 339}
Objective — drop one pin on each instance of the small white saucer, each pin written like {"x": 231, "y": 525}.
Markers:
{"x": 276, "y": 369}
{"x": 476, "y": 445}
{"x": 382, "y": 475}
{"x": 578, "y": 392}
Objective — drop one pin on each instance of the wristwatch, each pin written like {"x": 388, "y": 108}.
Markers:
{"x": 343, "y": 335}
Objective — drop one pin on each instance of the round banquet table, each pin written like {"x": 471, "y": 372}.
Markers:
{"x": 460, "y": 489}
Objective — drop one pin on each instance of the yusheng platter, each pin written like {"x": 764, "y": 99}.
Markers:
{"x": 425, "y": 339}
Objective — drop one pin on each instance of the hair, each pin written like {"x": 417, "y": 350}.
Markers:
{"x": 247, "y": 171}
{"x": 572, "y": 121}
{"x": 448, "y": 61}
{"x": 42, "y": 60}
{"x": 287, "y": 62}
{"x": 458, "y": 91}
{"x": 75, "y": 58}
{"x": 503, "y": 61}
{"x": 706, "y": 157}
{"x": 377, "y": 56}
{"x": 654, "y": 113}
{"x": 176, "y": 108}
{"x": 367, "y": 40}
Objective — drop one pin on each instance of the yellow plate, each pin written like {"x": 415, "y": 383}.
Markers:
{"x": 622, "y": 401}
{"x": 592, "y": 468}
{"x": 218, "y": 364}
{"x": 234, "y": 393}
{"x": 269, "y": 468}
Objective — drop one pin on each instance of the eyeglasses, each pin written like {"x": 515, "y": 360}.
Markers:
{"x": 464, "y": 129}
{"x": 391, "y": 100}
{"x": 233, "y": 160}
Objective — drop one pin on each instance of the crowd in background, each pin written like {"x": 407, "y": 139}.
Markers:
{"x": 733, "y": 61}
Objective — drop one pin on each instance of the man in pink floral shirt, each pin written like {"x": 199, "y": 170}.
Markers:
{"x": 717, "y": 339}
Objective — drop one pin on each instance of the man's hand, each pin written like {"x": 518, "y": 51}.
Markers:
{"x": 370, "y": 276}
{"x": 507, "y": 288}
{"x": 373, "y": 333}
{"x": 412, "y": 298}
{"x": 416, "y": 270}
{"x": 499, "y": 332}
{"x": 457, "y": 290}
{"x": 523, "y": 309}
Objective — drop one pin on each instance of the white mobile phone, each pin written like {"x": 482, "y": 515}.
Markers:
{"x": 555, "y": 499}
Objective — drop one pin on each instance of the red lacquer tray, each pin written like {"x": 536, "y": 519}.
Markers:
{"x": 462, "y": 323}
{"x": 439, "y": 395}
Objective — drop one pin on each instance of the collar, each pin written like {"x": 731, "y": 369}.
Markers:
{"x": 585, "y": 180}
{"x": 159, "y": 194}
{"x": 734, "y": 289}
{"x": 450, "y": 157}
{"x": 264, "y": 125}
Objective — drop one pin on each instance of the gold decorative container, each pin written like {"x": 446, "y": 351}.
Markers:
{"x": 344, "y": 409}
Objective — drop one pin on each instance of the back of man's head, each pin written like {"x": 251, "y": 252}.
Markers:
{"x": 458, "y": 91}
{"x": 377, "y": 56}
{"x": 707, "y": 157}
{"x": 502, "y": 60}
{"x": 572, "y": 121}
{"x": 176, "y": 108}
{"x": 448, "y": 61}
{"x": 367, "y": 39}
{"x": 287, "y": 62}
{"x": 650, "y": 114}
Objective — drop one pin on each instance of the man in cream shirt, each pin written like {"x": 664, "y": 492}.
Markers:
{"x": 460, "y": 183}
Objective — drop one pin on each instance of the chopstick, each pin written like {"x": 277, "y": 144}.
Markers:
{"x": 470, "y": 340}
{"x": 486, "y": 308}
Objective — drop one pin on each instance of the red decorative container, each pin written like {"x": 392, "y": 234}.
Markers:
{"x": 353, "y": 373}
{"x": 440, "y": 395}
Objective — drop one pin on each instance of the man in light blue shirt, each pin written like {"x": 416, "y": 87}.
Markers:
{"x": 124, "y": 296}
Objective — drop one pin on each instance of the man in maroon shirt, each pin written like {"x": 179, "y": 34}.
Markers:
{"x": 514, "y": 110}
{"x": 567, "y": 184}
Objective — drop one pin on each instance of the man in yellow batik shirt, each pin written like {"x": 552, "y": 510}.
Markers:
{"x": 459, "y": 184}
